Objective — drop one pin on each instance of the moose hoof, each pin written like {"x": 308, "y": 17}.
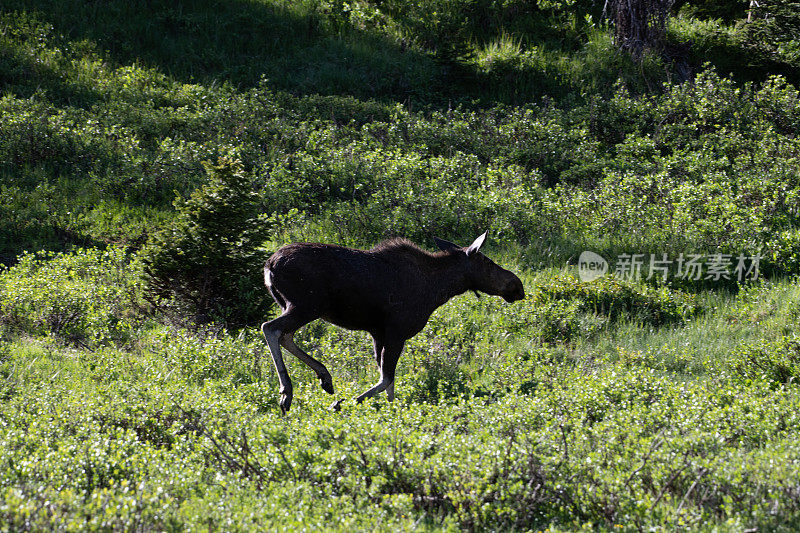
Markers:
{"x": 285, "y": 402}
{"x": 326, "y": 382}
{"x": 336, "y": 406}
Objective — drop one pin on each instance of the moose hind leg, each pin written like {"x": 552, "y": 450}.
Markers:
{"x": 325, "y": 379}
{"x": 272, "y": 336}
{"x": 290, "y": 321}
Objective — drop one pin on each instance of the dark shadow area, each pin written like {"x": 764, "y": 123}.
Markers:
{"x": 741, "y": 63}
{"x": 525, "y": 28}
{"x": 18, "y": 235}
{"x": 25, "y": 77}
{"x": 191, "y": 41}
{"x": 485, "y": 21}
{"x": 239, "y": 42}
{"x": 309, "y": 51}
{"x": 729, "y": 11}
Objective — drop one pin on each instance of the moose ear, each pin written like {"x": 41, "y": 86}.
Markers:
{"x": 476, "y": 245}
{"x": 445, "y": 245}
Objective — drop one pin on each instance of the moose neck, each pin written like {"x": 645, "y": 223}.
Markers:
{"x": 448, "y": 279}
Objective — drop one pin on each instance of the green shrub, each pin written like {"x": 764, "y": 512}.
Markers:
{"x": 207, "y": 265}
{"x": 785, "y": 251}
{"x": 774, "y": 29}
{"x": 617, "y": 299}
{"x": 439, "y": 378}
{"x": 775, "y": 362}
{"x": 210, "y": 355}
{"x": 89, "y": 297}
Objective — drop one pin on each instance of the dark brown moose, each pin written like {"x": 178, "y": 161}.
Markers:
{"x": 389, "y": 291}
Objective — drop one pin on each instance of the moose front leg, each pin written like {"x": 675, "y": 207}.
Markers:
{"x": 378, "y": 344}
{"x": 388, "y": 364}
{"x": 390, "y": 391}
{"x": 386, "y": 355}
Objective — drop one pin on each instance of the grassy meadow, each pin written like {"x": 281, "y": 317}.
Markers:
{"x": 153, "y": 154}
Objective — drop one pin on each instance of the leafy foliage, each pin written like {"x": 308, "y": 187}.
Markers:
{"x": 774, "y": 28}
{"x": 776, "y": 362}
{"x": 583, "y": 447}
{"x": 89, "y": 297}
{"x": 617, "y": 299}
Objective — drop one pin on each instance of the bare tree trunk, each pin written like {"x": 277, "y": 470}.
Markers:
{"x": 639, "y": 25}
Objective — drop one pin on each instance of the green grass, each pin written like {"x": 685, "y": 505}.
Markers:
{"x": 762, "y": 313}
{"x": 202, "y": 441}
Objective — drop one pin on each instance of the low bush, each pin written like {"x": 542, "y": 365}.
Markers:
{"x": 773, "y": 30}
{"x": 209, "y": 355}
{"x": 90, "y": 297}
{"x": 617, "y": 299}
{"x": 613, "y": 445}
{"x": 774, "y": 362}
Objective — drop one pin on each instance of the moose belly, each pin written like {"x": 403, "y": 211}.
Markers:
{"x": 350, "y": 315}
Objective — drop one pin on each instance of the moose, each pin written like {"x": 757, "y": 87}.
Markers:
{"x": 389, "y": 291}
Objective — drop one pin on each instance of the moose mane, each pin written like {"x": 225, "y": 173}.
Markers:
{"x": 405, "y": 250}
{"x": 398, "y": 244}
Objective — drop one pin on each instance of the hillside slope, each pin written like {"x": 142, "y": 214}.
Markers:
{"x": 149, "y": 150}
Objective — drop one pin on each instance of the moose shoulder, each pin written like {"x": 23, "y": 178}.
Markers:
{"x": 389, "y": 291}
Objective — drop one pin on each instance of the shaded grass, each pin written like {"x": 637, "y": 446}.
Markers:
{"x": 236, "y": 42}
